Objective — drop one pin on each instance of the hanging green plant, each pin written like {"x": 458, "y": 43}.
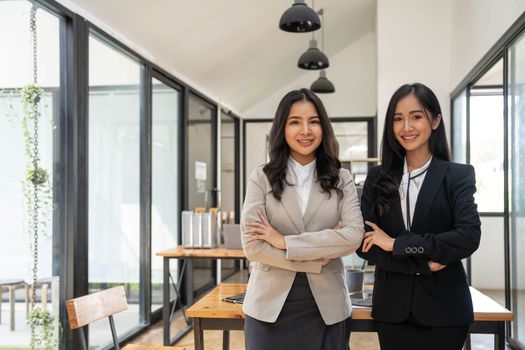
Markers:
{"x": 37, "y": 192}
{"x": 43, "y": 322}
{"x": 37, "y": 176}
{"x": 31, "y": 94}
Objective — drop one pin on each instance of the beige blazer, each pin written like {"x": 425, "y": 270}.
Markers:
{"x": 309, "y": 239}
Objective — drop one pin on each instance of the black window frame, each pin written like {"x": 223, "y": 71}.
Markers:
{"x": 500, "y": 50}
{"x": 70, "y": 224}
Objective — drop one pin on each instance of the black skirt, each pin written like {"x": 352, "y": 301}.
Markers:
{"x": 412, "y": 335}
{"x": 299, "y": 325}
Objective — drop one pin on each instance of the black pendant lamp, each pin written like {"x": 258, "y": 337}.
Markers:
{"x": 313, "y": 58}
{"x": 322, "y": 85}
{"x": 299, "y": 18}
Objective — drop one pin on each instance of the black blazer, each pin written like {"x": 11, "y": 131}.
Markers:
{"x": 445, "y": 229}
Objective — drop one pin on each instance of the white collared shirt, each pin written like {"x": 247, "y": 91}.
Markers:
{"x": 415, "y": 186}
{"x": 302, "y": 177}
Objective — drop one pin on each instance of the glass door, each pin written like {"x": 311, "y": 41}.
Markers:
{"x": 201, "y": 179}
{"x": 516, "y": 107}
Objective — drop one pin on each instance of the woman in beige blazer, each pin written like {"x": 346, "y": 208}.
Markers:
{"x": 300, "y": 216}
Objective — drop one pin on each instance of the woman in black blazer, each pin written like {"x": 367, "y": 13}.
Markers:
{"x": 417, "y": 237}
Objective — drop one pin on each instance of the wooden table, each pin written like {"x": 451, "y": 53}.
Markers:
{"x": 186, "y": 255}
{"x": 211, "y": 312}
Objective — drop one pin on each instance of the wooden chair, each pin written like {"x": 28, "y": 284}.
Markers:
{"x": 12, "y": 285}
{"x": 89, "y": 308}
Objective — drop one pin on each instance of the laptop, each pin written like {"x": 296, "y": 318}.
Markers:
{"x": 235, "y": 299}
{"x": 361, "y": 299}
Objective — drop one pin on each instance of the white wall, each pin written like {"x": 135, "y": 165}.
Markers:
{"x": 413, "y": 45}
{"x": 476, "y": 26}
{"x": 353, "y": 73}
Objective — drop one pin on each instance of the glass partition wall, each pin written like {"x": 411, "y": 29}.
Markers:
{"x": 356, "y": 138}
{"x": 488, "y": 132}
{"x": 478, "y": 136}
{"x": 201, "y": 188}
{"x": 516, "y": 169}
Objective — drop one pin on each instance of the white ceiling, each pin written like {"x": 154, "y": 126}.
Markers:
{"x": 231, "y": 49}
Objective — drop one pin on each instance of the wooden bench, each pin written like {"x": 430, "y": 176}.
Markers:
{"x": 89, "y": 308}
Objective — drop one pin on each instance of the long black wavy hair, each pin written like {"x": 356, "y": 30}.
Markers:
{"x": 392, "y": 153}
{"x": 327, "y": 161}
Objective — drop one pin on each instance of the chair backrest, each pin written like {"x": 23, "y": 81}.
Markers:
{"x": 92, "y": 307}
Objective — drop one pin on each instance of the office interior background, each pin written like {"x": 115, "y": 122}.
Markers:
{"x": 135, "y": 92}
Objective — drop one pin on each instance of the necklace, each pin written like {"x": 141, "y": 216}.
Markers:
{"x": 408, "y": 195}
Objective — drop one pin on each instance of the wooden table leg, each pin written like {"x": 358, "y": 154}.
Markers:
{"x": 225, "y": 340}
{"x": 1, "y": 297}
{"x": 26, "y": 299}
{"x": 43, "y": 295}
{"x": 198, "y": 334}
{"x": 12, "y": 307}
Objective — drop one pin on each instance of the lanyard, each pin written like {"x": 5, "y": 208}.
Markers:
{"x": 408, "y": 196}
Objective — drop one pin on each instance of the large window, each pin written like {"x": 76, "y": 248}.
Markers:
{"x": 114, "y": 178}
{"x": 486, "y": 139}
{"x": 165, "y": 207}
{"x": 459, "y": 128}
{"x": 16, "y": 199}
{"x": 478, "y": 139}
{"x": 100, "y": 109}
{"x": 488, "y": 129}
{"x": 478, "y": 135}
{"x": 516, "y": 103}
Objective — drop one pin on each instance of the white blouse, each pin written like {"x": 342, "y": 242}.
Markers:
{"x": 417, "y": 177}
{"x": 302, "y": 177}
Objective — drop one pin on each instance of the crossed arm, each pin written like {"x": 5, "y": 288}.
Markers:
{"x": 440, "y": 249}
{"x": 308, "y": 250}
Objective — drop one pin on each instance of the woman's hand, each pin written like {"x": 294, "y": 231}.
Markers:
{"x": 265, "y": 232}
{"x": 377, "y": 237}
{"x": 435, "y": 266}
